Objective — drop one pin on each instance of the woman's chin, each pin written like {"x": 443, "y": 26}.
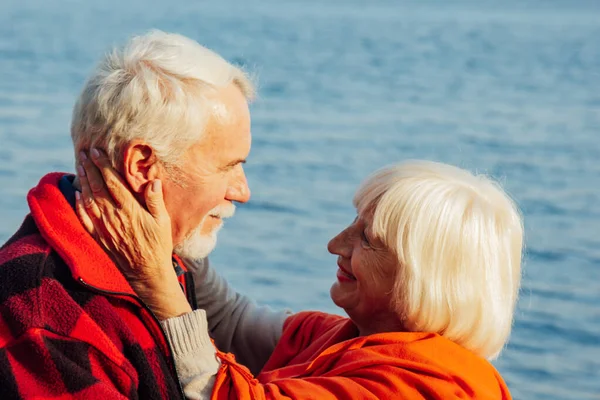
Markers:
{"x": 341, "y": 296}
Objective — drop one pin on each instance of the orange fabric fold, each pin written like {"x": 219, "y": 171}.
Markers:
{"x": 321, "y": 356}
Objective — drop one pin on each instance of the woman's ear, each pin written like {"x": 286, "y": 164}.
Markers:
{"x": 140, "y": 165}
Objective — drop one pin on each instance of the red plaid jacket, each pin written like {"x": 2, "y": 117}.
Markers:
{"x": 71, "y": 327}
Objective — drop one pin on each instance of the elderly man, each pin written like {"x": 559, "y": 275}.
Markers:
{"x": 162, "y": 108}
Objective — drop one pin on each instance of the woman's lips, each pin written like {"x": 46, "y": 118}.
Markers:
{"x": 344, "y": 275}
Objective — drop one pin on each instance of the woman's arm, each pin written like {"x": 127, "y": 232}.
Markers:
{"x": 194, "y": 354}
{"x": 320, "y": 379}
{"x": 236, "y": 323}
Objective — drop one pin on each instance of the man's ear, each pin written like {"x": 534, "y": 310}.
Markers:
{"x": 140, "y": 165}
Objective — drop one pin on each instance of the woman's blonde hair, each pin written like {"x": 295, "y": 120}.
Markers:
{"x": 458, "y": 238}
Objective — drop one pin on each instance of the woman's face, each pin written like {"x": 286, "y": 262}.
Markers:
{"x": 365, "y": 278}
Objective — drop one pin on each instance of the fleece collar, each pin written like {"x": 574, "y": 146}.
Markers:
{"x": 60, "y": 227}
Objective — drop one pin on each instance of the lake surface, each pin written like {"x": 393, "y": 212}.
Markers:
{"x": 512, "y": 90}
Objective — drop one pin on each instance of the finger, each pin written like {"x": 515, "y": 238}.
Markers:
{"x": 155, "y": 201}
{"x": 87, "y": 197}
{"x": 96, "y": 182}
{"x": 85, "y": 219}
{"x": 116, "y": 185}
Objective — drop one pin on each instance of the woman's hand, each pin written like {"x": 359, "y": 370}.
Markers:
{"x": 138, "y": 240}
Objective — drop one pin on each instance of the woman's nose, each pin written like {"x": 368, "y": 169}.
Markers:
{"x": 339, "y": 245}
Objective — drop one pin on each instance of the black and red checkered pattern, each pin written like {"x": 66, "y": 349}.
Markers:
{"x": 71, "y": 327}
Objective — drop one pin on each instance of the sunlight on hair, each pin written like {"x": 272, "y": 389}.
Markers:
{"x": 459, "y": 240}
{"x": 157, "y": 88}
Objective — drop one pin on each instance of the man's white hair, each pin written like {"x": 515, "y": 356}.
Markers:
{"x": 156, "y": 88}
{"x": 459, "y": 241}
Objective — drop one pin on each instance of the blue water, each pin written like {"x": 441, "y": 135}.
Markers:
{"x": 346, "y": 87}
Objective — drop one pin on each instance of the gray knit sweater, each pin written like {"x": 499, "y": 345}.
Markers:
{"x": 236, "y": 323}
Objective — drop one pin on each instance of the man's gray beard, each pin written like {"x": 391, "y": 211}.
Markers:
{"x": 197, "y": 246}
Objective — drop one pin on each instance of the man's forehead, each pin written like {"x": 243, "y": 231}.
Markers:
{"x": 224, "y": 147}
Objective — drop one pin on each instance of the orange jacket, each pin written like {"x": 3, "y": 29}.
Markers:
{"x": 321, "y": 356}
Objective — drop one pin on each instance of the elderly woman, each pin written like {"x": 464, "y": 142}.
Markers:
{"x": 428, "y": 274}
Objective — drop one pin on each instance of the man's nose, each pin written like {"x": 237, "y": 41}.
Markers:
{"x": 238, "y": 190}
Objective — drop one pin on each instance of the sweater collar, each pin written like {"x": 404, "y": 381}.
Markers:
{"x": 60, "y": 227}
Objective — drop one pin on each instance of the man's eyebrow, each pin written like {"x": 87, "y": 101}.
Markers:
{"x": 236, "y": 162}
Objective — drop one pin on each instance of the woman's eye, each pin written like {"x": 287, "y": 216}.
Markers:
{"x": 364, "y": 239}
